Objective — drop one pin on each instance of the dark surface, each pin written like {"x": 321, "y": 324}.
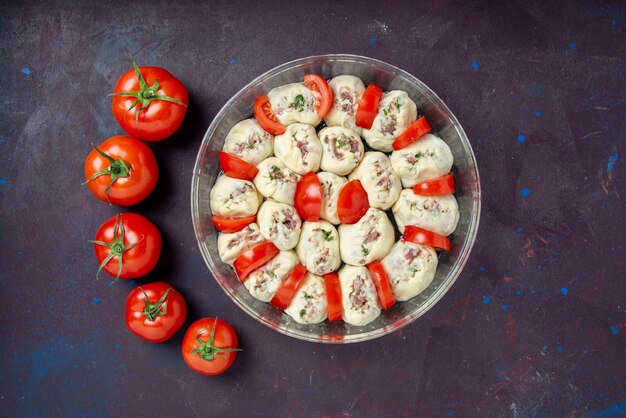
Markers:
{"x": 534, "y": 326}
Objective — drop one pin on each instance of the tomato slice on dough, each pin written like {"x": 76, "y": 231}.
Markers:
{"x": 308, "y": 197}
{"x": 412, "y": 133}
{"x": 266, "y": 117}
{"x": 418, "y": 235}
{"x": 383, "y": 287}
{"x": 441, "y": 185}
{"x": 285, "y": 292}
{"x": 333, "y": 296}
{"x": 352, "y": 202}
{"x": 228, "y": 224}
{"x": 236, "y": 167}
{"x": 322, "y": 93}
{"x": 368, "y": 106}
{"x": 254, "y": 258}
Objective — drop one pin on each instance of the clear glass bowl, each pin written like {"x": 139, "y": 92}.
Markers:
{"x": 440, "y": 118}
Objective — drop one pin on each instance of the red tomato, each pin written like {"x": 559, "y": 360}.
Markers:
{"x": 155, "y": 311}
{"x": 308, "y": 197}
{"x": 322, "y": 93}
{"x": 352, "y": 202}
{"x": 441, "y": 185}
{"x": 210, "y": 346}
{"x": 227, "y": 224}
{"x": 368, "y": 106}
{"x": 266, "y": 117}
{"x": 149, "y": 103}
{"x": 236, "y": 167}
{"x": 282, "y": 298}
{"x": 121, "y": 170}
{"x": 383, "y": 287}
{"x": 412, "y": 133}
{"x": 253, "y": 258}
{"x": 419, "y": 235}
{"x": 127, "y": 246}
{"x": 333, "y": 296}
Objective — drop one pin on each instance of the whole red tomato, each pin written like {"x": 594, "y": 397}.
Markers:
{"x": 121, "y": 170}
{"x": 149, "y": 103}
{"x": 210, "y": 346}
{"x": 127, "y": 246}
{"x": 155, "y": 311}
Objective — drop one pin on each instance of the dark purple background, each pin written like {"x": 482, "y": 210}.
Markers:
{"x": 534, "y": 326}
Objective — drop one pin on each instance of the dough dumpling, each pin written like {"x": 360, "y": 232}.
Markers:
{"x": 358, "y": 296}
{"x": 331, "y": 185}
{"x": 264, "y": 282}
{"x": 309, "y": 305}
{"x": 342, "y": 150}
{"x": 439, "y": 214}
{"x": 318, "y": 247}
{"x": 248, "y": 141}
{"x": 280, "y": 224}
{"x": 381, "y": 183}
{"x": 276, "y": 181}
{"x": 396, "y": 112}
{"x": 427, "y": 158}
{"x": 294, "y": 103}
{"x": 234, "y": 197}
{"x": 347, "y": 92}
{"x": 231, "y": 245}
{"x": 367, "y": 240}
{"x": 410, "y": 269}
{"x": 299, "y": 148}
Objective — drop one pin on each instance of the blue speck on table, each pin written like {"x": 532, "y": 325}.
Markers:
{"x": 525, "y": 192}
{"x": 521, "y": 138}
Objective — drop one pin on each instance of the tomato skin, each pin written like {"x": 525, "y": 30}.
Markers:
{"x": 138, "y": 260}
{"x": 253, "y": 258}
{"x": 282, "y": 298}
{"x": 125, "y": 191}
{"x": 308, "y": 197}
{"x": 352, "y": 202}
{"x": 438, "y": 186}
{"x": 368, "y": 106}
{"x": 322, "y": 92}
{"x": 225, "y": 338}
{"x": 163, "y": 327}
{"x": 161, "y": 118}
{"x": 418, "y": 235}
{"x": 333, "y": 296}
{"x": 236, "y": 167}
{"x": 412, "y": 133}
{"x": 265, "y": 116}
{"x": 383, "y": 287}
{"x": 228, "y": 224}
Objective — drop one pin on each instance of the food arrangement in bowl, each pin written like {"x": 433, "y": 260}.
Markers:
{"x": 334, "y": 200}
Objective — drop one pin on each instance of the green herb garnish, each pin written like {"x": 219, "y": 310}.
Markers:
{"x": 413, "y": 270}
{"x": 365, "y": 250}
{"x": 419, "y": 155}
{"x": 298, "y": 103}
{"x": 342, "y": 143}
{"x": 385, "y": 112}
{"x": 302, "y": 312}
{"x": 328, "y": 235}
{"x": 274, "y": 172}
{"x": 271, "y": 274}
{"x": 398, "y": 104}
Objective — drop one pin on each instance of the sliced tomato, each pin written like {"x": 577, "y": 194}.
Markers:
{"x": 418, "y": 235}
{"x": 266, "y": 117}
{"x": 412, "y": 133}
{"x": 333, "y": 296}
{"x": 228, "y": 224}
{"x": 383, "y": 287}
{"x": 254, "y": 258}
{"x": 368, "y": 106}
{"x": 308, "y": 197}
{"x": 285, "y": 292}
{"x": 352, "y": 202}
{"x": 322, "y": 93}
{"x": 441, "y": 185}
{"x": 236, "y": 167}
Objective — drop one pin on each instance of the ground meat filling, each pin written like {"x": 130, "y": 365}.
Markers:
{"x": 254, "y": 140}
{"x": 345, "y": 101}
{"x": 358, "y": 295}
{"x": 261, "y": 284}
{"x": 303, "y": 146}
{"x": 339, "y": 145}
{"x": 414, "y": 158}
{"x": 237, "y": 196}
{"x": 248, "y": 234}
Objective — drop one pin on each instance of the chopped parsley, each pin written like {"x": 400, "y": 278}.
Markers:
{"x": 274, "y": 172}
{"x": 302, "y": 313}
{"x": 271, "y": 274}
{"x": 342, "y": 142}
{"x": 385, "y": 112}
{"x": 419, "y": 155}
{"x": 298, "y": 103}
{"x": 413, "y": 270}
{"x": 328, "y": 235}
{"x": 398, "y": 104}
{"x": 365, "y": 250}
{"x": 307, "y": 296}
